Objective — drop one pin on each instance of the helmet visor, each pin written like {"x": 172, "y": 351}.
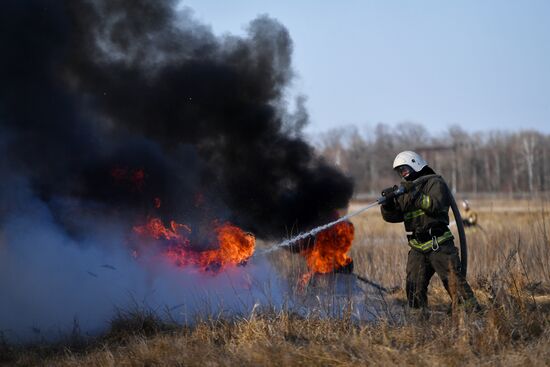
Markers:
{"x": 404, "y": 171}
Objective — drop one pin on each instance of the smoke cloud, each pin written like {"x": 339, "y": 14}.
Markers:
{"x": 107, "y": 107}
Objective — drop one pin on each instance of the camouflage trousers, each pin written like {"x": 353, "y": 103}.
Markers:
{"x": 446, "y": 263}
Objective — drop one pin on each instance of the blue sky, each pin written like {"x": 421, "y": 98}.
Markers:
{"x": 482, "y": 64}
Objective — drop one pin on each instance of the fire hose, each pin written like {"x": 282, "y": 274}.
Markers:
{"x": 398, "y": 191}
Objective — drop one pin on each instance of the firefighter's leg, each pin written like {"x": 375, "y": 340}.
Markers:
{"x": 446, "y": 263}
{"x": 419, "y": 273}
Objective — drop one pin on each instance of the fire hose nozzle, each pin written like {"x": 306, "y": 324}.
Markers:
{"x": 397, "y": 191}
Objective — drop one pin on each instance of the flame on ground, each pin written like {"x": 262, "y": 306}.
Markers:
{"x": 329, "y": 252}
{"x": 233, "y": 246}
{"x": 330, "y": 249}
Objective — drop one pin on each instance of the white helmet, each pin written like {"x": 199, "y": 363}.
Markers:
{"x": 411, "y": 159}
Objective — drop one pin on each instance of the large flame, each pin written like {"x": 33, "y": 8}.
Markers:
{"x": 232, "y": 245}
{"x": 330, "y": 249}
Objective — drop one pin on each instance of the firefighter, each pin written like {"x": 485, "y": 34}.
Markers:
{"x": 469, "y": 218}
{"x": 425, "y": 210}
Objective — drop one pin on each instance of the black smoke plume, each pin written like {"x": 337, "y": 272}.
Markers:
{"x": 117, "y": 103}
{"x": 115, "y": 110}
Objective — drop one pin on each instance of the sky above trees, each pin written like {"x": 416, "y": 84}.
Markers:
{"x": 481, "y": 64}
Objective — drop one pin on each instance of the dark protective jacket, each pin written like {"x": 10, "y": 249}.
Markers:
{"x": 425, "y": 210}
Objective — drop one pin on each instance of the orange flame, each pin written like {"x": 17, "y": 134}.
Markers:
{"x": 330, "y": 249}
{"x": 154, "y": 228}
{"x": 234, "y": 246}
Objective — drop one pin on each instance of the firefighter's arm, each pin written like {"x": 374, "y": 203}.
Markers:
{"x": 391, "y": 214}
{"x": 434, "y": 198}
{"x": 390, "y": 209}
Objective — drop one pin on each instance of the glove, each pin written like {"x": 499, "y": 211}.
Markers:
{"x": 388, "y": 192}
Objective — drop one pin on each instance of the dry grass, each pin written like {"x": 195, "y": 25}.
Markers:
{"x": 509, "y": 271}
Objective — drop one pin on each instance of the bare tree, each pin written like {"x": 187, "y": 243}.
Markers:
{"x": 493, "y": 161}
{"x": 529, "y": 156}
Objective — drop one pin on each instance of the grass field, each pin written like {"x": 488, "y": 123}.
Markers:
{"x": 509, "y": 270}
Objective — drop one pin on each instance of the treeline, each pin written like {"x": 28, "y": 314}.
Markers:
{"x": 494, "y": 161}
